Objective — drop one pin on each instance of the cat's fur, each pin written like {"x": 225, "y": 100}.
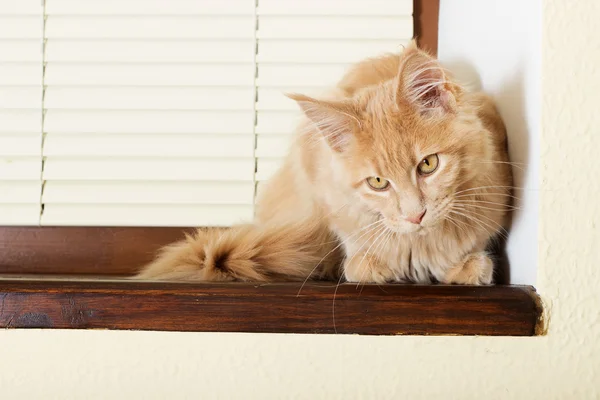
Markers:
{"x": 382, "y": 119}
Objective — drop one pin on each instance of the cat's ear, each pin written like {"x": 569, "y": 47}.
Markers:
{"x": 336, "y": 121}
{"x": 423, "y": 83}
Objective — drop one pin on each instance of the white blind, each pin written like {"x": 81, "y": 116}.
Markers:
{"x": 149, "y": 112}
{"x": 21, "y": 44}
{"x": 164, "y": 112}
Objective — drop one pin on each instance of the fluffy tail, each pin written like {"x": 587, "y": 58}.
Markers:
{"x": 264, "y": 253}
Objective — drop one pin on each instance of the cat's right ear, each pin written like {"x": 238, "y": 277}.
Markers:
{"x": 422, "y": 83}
{"x": 335, "y": 120}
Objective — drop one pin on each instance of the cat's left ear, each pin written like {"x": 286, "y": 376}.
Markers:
{"x": 335, "y": 120}
{"x": 423, "y": 83}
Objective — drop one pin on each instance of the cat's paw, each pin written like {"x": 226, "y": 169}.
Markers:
{"x": 364, "y": 269}
{"x": 477, "y": 269}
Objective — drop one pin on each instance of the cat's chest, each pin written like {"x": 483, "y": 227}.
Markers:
{"x": 417, "y": 258}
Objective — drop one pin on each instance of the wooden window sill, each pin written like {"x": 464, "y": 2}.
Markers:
{"x": 76, "y": 278}
{"x": 105, "y": 303}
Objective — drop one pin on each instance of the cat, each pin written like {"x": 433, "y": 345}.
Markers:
{"x": 398, "y": 174}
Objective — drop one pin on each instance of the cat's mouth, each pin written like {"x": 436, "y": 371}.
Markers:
{"x": 403, "y": 228}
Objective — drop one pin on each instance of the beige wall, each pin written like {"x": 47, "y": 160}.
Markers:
{"x": 563, "y": 365}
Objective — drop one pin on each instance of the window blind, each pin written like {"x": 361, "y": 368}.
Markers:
{"x": 164, "y": 112}
{"x": 21, "y": 42}
{"x": 149, "y": 112}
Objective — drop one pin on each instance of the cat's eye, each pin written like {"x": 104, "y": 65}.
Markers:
{"x": 377, "y": 183}
{"x": 428, "y": 165}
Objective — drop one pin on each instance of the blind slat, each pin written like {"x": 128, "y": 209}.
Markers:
{"x": 21, "y": 7}
{"x": 149, "y": 98}
{"x": 15, "y": 74}
{"x": 20, "y": 214}
{"x": 15, "y": 97}
{"x": 21, "y": 121}
{"x": 20, "y": 168}
{"x": 151, "y": 192}
{"x": 300, "y": 75}
{"x": 273, "y": 98}
{"x": 170, "y": 145}
{"x": 320, "y": 51}
{"x": 21, "y": 51}
{"x": 273, "y": 145}
{"x": 148, "y": 74}
{"x": 21, "y": 27}
{"x": 150, "y": 7}
{"x": 335, "y": 7}
{"x": 145, "y": 215}
{"x": 20, "y": 145}
{"x": 150, "y": 51}
{"x": 19, "y": 192}
{"x": 143, "y": 121}
{"x": 149, "y": 169}
{"x": 266, "y": 167}
{"x": 335, "y": 27}
{"x": 274, "y": 122}
{"x": 164, "y": 27}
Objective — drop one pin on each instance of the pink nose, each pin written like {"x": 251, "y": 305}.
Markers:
{"x": 416, "y": 219}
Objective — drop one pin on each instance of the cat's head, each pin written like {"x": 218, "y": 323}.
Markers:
{"x": 405, "y": 146}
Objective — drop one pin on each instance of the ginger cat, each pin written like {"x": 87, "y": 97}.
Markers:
{"x": 397, "y": 175}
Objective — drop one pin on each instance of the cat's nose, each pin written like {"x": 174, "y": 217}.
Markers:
{"x": 417, "y": 218}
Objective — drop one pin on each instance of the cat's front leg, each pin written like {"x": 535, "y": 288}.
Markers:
{"x": 365, "y": 268}
{"x": 474, "y": 269}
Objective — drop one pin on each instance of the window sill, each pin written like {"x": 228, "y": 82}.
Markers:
{"x": 68, "y": 303}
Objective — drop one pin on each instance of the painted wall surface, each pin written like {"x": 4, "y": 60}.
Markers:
{"x": 496, "y": 45}
{"x": 565, "y": 364}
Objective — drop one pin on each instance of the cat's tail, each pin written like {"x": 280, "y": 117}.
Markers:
{"x": 264, "y": 253}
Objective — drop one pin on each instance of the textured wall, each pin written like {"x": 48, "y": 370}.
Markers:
{"x": 563, "y": 365}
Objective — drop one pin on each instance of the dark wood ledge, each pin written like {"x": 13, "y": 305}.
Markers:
{"x": 276, "y": 308}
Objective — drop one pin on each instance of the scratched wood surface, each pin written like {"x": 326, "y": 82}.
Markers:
{"x": 272, "y": 308}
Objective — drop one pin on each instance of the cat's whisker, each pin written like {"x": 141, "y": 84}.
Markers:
{"x": 480, "y": 207}
{"x": 382, "y": 244}
{"x": 500, "y": 227}
{"x": 481, "y": 223}
{"x": 387, "y": 238}
{"x": 476, "y": 205}
{"x": 471, "y": 218}
{"x": 451, "y": 220}
{"x": 329, "y": 214}
{"x": 385, "y": 229}
{"x": 485, "y": 187}
{"x": 512, "y": 164}
{"x": 481, "y": 195}
{"x": 385, "y": 242}
{"x": 342, "y": 273}
{"x": 465, "y": 199}
{"x": 373, "y": 226}
{"x": 517, "y": 188}
{"x": 333, "y": 303}
{"x": 503, "y": 162}
{"x": 457, "y": 220}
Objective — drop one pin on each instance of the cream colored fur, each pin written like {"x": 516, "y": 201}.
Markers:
{"x": 317, "y": 217}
